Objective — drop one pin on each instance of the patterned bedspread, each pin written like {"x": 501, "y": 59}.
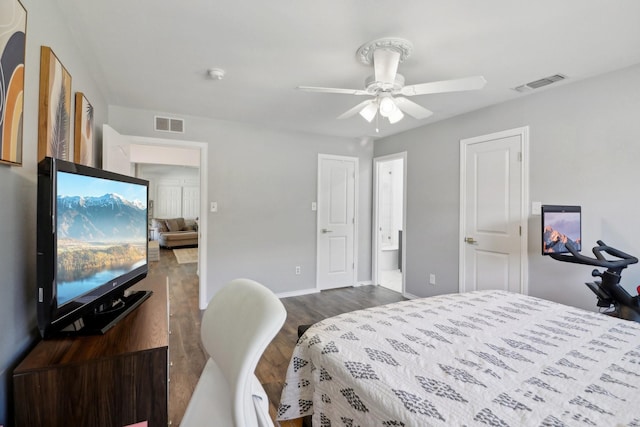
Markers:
{"x": 480, "y": 358}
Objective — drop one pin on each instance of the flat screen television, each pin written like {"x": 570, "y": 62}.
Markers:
{"x": 561, "y": 225}
{"x": 92, "y": 242}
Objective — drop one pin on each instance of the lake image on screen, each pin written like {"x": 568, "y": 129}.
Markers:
{"x": 102, "y": 232}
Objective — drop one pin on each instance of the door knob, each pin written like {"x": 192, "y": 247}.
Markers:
{"x": 470, "y": 240}
{"x": 324, "y": 231}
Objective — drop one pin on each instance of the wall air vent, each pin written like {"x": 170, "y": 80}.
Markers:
{"x": 537, "y": 84}
{"x": 168, "y": 124}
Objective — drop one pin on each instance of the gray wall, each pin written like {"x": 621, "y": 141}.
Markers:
{"x": 45, "y": 26}
{"x": 264, "y": 181}
{"x": 584, "y": 150}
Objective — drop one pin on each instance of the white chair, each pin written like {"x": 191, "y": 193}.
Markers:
{"x": 238, "y": 324}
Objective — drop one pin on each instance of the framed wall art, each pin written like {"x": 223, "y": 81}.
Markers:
{"x": 54, "y": 112}
{"x": 83, "y": 146}
{"x": 13, "y": 30}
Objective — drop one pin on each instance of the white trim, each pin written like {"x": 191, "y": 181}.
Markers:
{"x": 410, "y": 296}
{"x": 365, "y": 283}
{"x": 374, "y": 236}
{"x": 356, "y": 171}
{"x": 523, "y": 133}
{"x": 297, "y": 293}
{"x": 203, "y": 300}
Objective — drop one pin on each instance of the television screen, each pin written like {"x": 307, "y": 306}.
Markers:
{"x": 561, "y": 225}
{"x": 102, "y": 232}
{"x": 92, "y": 245}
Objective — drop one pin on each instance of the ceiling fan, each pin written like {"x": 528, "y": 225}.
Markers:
{"x": 387, "y": 87}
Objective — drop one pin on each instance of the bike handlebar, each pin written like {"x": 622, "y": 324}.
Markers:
{"x": 599, "y": 260}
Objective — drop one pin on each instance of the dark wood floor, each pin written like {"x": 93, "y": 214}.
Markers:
{"x": 188, "y": 358}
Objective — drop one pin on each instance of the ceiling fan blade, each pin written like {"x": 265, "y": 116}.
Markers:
{"x": 412, "y": 109}
{"x": 333, "y": 90}
{"x": 385, "y": 64}
{"x": 353, "y": 111}
{"x": 467, "y": 83}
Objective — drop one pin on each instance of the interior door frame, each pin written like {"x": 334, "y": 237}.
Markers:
{"x": 203, "y": 297}
{"x": 356, "y": 170}
{"x": 376, "y": 216}
{"x": 523, "y": 134}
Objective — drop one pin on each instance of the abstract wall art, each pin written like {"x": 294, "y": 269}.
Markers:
{"x": 13, "y": 29}
{"x": 54, "y": 112}
{"x": 83, "y": 147}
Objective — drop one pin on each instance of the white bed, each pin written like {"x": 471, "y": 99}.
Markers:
{"x": 481, "y": 358}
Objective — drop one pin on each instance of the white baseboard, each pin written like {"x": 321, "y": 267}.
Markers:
{"x": 367, "y": 283}
{"x": 410, "y": 296}
{"x": 297, "y": 293}
{"x": 314, "y": 290}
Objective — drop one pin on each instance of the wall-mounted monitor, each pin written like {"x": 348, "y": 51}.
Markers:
{"x": 561, "y": 225}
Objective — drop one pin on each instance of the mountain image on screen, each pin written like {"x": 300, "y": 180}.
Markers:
{"x": 98, "y": 238}
{"x": 556, "y": 242}
{"x": 106, "y": 218}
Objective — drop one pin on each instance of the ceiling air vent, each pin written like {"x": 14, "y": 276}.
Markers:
{"x": 168, "y": 124}
{"x": 540, "y": 83}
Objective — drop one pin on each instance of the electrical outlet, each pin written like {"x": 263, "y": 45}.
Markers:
{"x": 432, "y": 279}
{"x": 297, "y": 269}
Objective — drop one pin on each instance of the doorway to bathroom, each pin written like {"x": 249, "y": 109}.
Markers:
{"x": 389, "y": 221}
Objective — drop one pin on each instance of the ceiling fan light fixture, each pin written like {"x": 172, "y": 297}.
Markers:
{"x": 369, "y": 112}
{"x": 387, "y": 106}
{"x": 386, "y": 86}
{"x": 395, "y": 116}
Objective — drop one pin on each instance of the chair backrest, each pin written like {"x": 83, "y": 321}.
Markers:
{"x": 238, "y": 324}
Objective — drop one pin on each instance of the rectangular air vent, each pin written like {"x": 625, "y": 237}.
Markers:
{"x": 536, "y": 84}
{"x": 168, "y": 124}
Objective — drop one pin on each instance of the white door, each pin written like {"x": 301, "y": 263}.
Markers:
{"x": 336, "y": 221}
{"x": 493, "y": 212}
{"x": 115, "y": 151}
{"x": 190, "y": 201}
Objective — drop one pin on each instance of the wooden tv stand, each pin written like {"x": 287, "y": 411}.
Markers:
{"x": 113, "y": 380}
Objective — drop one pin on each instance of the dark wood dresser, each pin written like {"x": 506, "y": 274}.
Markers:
{"x": 113, "y": 380}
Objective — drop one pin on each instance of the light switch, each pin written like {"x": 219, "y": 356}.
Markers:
{"x": 314, "y": 206}
{"x": 214, "y": 206}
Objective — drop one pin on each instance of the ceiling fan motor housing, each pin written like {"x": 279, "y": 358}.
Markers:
{"x": 374, "y": 87}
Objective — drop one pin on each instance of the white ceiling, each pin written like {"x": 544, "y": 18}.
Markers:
{"x": 154, "y": 54}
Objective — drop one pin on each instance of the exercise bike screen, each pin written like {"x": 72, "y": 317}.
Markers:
{"x": 561, "y": 225}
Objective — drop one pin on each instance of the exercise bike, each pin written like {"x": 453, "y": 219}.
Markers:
{"x": 608, "y": 289}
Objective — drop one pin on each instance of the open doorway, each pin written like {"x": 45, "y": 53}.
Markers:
{"x": 121, "y": 153}
{"x": 389, "y": 221}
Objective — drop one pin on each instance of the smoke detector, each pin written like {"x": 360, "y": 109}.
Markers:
{"x": 216, "y": 73}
